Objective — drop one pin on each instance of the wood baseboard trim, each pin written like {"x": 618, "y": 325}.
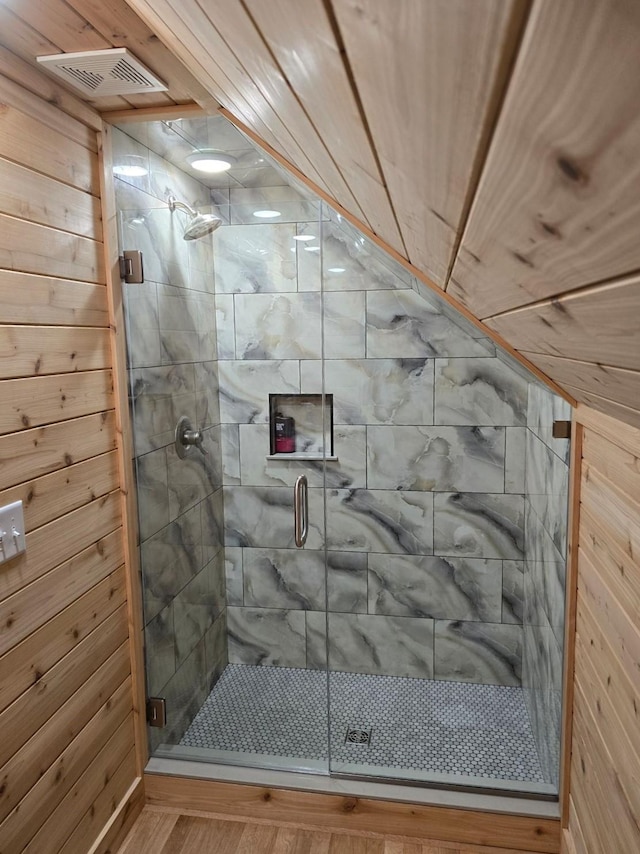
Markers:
{"x": 114, "y": 832}
{"x": 361, "y": 816}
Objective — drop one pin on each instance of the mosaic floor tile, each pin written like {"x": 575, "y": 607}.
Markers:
{"x": 417, "y": 724}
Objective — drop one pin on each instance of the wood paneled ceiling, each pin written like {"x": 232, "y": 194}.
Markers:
{"x": 494, "y": 144}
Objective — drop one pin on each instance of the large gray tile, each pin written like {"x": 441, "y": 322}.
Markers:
{"x": 170, "y": 559}
{"x": 291, "y": 205}
{"x": 255, "y": 259}
{"x": 230, "y": 444}
{"x": 374, "y": 391}
{"x": 152, "y": 492}
{"x": 191, "y": 479}
{"x": 347, "y": 581}
{"x": 284, "y": 578}
{"x": 514, "y": 462}
{"x": 543, "y": 408}
{"x": 479, "y": 525}
{"x": 160, "y": 396}
{"x": 266, "y": 636}
{"x": 197, "y": 605}
{"x": 278, "y": 326}
{"x": 262, "y": 517}
{"x": 216, "y": 649}
{"x": 185, "y": 693}
{"x": 226, "y": 326}
{"x": 444, "y": 588}
{"x": 344, "y": 325}
{"x": 402, "y": 324}
{"x": 376, "y": 520}
{"x": 212, "y": 518}
{"x": 479, "y": 392}
{"x": 245, "y": 388}
{"x": 547, "y": 489}
{"x": 487, "y": 653}
{"x": 186, "y": 325}
{"x": 159, "y": 639}
{"x": 234, "y": 575}
{"x": 545, "y": 570}
{"x": 141, "y": 313}
{"x": 207, "y": 399}
{"x": 350, "y": 262}
{"x": 512, "y": 591}
{"x": 389, "y": 646}
{"x": 469, "y": 459}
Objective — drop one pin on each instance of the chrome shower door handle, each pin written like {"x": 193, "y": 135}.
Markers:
{"x": 301, "y": 511}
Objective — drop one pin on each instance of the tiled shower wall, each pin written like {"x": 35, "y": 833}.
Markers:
{"x": 173, "y": 372}
{"x": 425, "y": 506}
{"x": 546, "y": 497}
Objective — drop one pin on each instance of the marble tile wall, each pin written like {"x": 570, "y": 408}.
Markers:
{"x": 172, "y": 353}
{"x": 546, "y": 498}
{"x": 425, "y": 513}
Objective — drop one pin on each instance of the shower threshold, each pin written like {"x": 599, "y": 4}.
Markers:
{"x": 419, "y": 732}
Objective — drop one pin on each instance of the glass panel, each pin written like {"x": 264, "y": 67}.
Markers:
{"x": 441, "y": 538}
{"x": 234, "y": 612}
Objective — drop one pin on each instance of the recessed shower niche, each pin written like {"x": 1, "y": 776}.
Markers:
{"x": 301, "y": 427}
{"x": 427, "y": 603}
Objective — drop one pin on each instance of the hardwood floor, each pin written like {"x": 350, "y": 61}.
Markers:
{"x": 164, "y": 832}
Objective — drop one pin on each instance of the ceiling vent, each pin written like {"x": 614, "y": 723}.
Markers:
{"x": 98, "y": 73}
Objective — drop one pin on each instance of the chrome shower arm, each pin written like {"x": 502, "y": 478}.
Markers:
{"x": 174, "y": 204}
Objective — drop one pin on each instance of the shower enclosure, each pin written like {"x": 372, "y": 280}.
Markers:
{"x": 381, "y": 596}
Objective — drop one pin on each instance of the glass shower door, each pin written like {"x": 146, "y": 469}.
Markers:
{"x": 227, "y": 331}
{"x": 445, "y": 538}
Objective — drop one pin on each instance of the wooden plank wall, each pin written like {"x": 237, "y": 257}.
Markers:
{"x": 604, "y": 802}
{"x": 68, "y": 766}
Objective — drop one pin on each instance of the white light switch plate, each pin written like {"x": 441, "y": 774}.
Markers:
{"x": 11, "y": 531}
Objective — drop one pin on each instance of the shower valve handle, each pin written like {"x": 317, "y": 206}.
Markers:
{"x": 187, "y": 438}
{"x": 194, "y": 437}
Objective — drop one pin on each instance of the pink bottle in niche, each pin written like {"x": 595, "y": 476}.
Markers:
{"x": 285, "y": 434}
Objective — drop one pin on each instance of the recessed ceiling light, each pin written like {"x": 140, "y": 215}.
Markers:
{"x": 131, "y": 166}
{"x": 303, "y": 237}
{"x": 210, "y": 160}
{"x": 267, "y": 214}
{"x": 311, "y": 248}
{"x": 336, "y": 270}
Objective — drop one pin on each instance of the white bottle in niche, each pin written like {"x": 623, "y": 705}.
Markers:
{"x": 12, "y": 541}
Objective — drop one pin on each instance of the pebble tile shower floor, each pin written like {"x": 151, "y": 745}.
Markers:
{"x": 439, "y": 727}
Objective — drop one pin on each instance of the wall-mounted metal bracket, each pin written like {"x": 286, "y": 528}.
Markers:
{"x": 131, "y": 267}
{"x": 157, "y": 711}
{"x": 561, "y": 430}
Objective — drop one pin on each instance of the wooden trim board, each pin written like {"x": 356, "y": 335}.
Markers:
{"x": 362, "y": 816}
{"x": 571, "y": 597}
{"x": 155, "y": 114}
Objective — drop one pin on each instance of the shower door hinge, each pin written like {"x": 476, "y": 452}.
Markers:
{"x": 157, "y": 711}
{"x": 561, "y": 430}
{"x": 131, "y": 269}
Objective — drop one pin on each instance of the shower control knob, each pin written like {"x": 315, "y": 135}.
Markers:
{"x": 187, "y": 438}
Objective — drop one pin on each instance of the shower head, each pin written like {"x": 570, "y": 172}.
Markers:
{"x": 200, "y": 225}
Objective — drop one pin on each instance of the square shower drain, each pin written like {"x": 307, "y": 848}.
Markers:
{"x": 355, "y": 735}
